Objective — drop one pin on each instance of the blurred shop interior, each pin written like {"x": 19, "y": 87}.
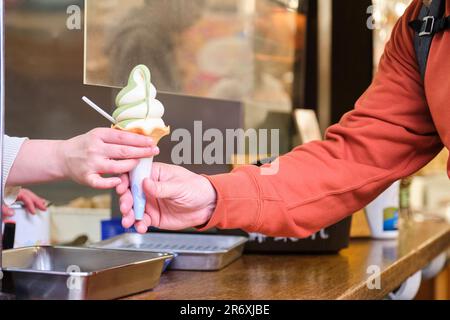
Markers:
{"x": 262, "y": 59}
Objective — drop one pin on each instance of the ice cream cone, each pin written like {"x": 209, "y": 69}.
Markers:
{"x": 139, "y": 111}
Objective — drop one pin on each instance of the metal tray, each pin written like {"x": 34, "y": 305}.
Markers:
{"x": 63, "y": 273}
{"x": 191, "y": 251}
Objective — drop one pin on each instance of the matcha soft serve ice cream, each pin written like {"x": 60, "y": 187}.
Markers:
{"x": 140, "y": 112}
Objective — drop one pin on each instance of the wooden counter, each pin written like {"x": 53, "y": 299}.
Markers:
{"x": 341, "y": 276}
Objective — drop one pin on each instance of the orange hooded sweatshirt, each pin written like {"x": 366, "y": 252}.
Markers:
{"x": 398, "y": 125}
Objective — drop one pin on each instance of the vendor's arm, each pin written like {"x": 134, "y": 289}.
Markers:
{"x": 84, "y": 159}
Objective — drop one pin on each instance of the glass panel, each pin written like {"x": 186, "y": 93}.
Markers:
{"x": 232, "y": 49}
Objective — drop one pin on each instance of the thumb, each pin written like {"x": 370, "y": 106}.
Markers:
{"x": 161, "y": 189}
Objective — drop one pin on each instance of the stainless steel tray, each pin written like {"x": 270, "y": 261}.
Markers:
{"x": 63, "y": 273}
{"x": 192, "y": 251}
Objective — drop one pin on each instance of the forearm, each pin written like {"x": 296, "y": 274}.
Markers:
{"x": 38, "y": 161}
{"x": 316, "y": 186}
{"x": 85, "y": 159}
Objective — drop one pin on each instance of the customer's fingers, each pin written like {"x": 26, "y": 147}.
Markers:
{"x": 112, "y": 136}
{"x": 128, "y": 220}
{"x": 147, "y": 220}
{"x": 141, "y": 227}
{"x": 153, "y": 211}
{"x": 126, "y": 203}
{"x": 98, "y": 182}
{"x": 124, "y": 185}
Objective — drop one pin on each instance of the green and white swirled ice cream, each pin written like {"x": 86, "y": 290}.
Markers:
{"x": 138, "y": 110}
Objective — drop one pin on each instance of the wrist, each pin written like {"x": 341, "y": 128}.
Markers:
{"x": 211, "y": 202}
{"x": 59, "y": 155}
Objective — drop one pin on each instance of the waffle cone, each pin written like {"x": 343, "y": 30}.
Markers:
{"x": 156, "y": 134}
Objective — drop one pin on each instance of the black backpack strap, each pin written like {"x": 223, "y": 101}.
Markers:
{"x": 431, "y": 21}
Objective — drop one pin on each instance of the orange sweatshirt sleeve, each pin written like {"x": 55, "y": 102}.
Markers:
{"x": 389, "y": 135}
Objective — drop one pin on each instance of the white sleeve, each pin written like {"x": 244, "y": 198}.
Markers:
{"x": 11, "y": 147}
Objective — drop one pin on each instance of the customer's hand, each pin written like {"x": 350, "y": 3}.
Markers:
{"x": 176, "y": 199}
{"x": 104, "y": 151}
